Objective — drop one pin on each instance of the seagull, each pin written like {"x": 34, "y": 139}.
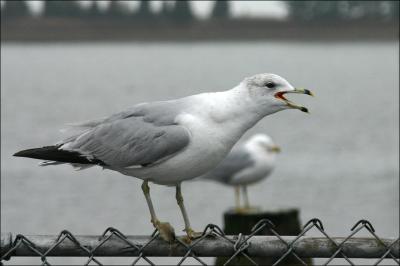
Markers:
{"x": 245, "y": 165}
{"x": 167, "y": 142}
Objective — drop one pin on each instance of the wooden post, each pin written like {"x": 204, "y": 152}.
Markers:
{"x": 287, "y": 223}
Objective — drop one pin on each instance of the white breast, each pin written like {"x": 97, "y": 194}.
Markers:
{"x": 215, "y": 126}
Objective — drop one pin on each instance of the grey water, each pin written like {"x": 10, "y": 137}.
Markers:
{"x": 339, "y": 163}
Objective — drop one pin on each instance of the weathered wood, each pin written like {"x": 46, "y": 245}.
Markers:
{"x": 260, "y": 246}
{"x": 286, "y": 222}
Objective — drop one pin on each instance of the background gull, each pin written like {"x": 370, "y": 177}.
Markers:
{"x": 172, "y": 141}
{"x": 246, "y": 164}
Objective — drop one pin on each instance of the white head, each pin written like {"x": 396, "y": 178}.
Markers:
{"x": 268, "y": 90}
{"x": 263, "y": 143}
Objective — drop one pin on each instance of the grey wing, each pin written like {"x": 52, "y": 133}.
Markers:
{"x": 160, "y": 113}
{"x": 236, "y": 161}
{"x": 141, "y": 136}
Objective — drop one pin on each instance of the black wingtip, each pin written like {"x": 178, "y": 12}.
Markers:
{"x": 37, "y": 153}
{"x": 34, "y": 152}
{"x": 22, "y": 153}
{"x": 53, "y": 153}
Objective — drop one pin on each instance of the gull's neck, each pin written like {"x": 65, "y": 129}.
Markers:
{"x": 232, "y": 111}
{"x": 234, "y": 105}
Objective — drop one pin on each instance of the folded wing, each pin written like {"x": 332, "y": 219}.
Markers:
{"x": 143, "y": 135}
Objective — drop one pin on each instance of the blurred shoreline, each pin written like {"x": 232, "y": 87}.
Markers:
{"x": 77, "y": 29}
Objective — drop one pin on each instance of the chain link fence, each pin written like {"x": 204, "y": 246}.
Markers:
{"x": 212, "y": 243}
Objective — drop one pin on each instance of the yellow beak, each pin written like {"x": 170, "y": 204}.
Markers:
{"x": 280, "y": 95}
{"x": 275, "y": 148}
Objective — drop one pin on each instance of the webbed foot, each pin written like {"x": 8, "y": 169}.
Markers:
{"x": 165, "y": 230}
{"x": 191, "y": 235}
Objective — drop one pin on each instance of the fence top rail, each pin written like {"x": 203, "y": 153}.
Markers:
{"x": 210, "y": 245}
{"x": 263, "y": 242}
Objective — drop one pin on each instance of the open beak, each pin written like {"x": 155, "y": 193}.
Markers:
{"x": 280, "y": 95}
{"x": 275, "y": 148}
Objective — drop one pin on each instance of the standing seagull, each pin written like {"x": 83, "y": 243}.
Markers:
{"x": 245, "y": 165}
{"x": 168, "y": 142}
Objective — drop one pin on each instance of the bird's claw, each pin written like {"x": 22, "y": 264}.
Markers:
{"x": 191, "y": 235}
{"x": 165, "y": 230}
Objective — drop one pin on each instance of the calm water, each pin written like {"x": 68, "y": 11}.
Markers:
{"x": 340, "y": 163}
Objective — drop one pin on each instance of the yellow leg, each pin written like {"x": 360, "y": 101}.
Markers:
{"x": 146, "y": 192}
{"x": 188, "y": 229}
{"x": 165, "y": 229}
{"x": 246, "y": 197}
{"x": 237, "y": 197}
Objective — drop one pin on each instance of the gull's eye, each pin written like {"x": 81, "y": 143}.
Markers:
{"x": 270, "y": 84}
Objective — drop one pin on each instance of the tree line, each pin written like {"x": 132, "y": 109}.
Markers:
{"x": 342, "y": 10}
{"x": 177, "y": 10}
{"x": 181, "y": 10}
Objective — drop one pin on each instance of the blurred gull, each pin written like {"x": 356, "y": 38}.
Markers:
{"x": 168, "y": 142}
{"x": 247, "y": 164}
